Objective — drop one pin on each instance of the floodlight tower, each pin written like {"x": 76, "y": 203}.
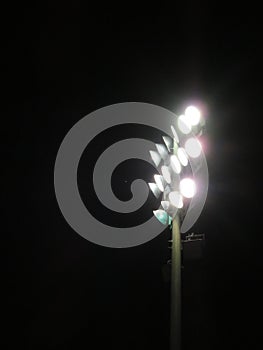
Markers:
{"x": 176, "y": 192}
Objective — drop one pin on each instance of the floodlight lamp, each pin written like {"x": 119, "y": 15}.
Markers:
{"x": 193, "y": 115}
{"x": 166, "y": 174}
{"x": 159, "y": 182}
{"x": 162, "y": 216}
{"x": 156, "y": 158}
{"x": 165, "y": 205}
{"x": 187, "y": 188}
{"x": 168, "y": 143}
{"x": 176, "y": 199}
{"x": 154, "y": 188}
{"x": 182, "y": 156}
{"x": 175, "y": 164}
{"x": 193, "y": 147}
{"x": 162, "y": 150}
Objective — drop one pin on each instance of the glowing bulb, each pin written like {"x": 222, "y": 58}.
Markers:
{"x": 193, "y": 147}
{"x": 166, "y": 174}
{"x": 187, "y": 188}
{"x": 159, "y": 182}
{"x": 193, "y": 115}
{"x": 175, "y": 164}
{"x": 184, "y": 124}
{"x": 182, "y": 156}
{"x": 176, "y": 199}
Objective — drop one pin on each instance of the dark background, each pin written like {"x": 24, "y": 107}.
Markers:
{"x": 65, "y": 60}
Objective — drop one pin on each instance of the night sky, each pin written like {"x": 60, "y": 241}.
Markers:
{"x": 63, "y": 61}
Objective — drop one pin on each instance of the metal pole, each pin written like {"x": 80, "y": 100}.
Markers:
{"x": 175, "y": 336}
{"x": 175, "y": 331}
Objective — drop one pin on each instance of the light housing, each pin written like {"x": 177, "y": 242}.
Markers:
{"x": 162, "y": 216}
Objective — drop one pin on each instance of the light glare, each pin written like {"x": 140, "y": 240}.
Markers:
{"x": 193, "y": 115}
{"x": 187, "y": 188}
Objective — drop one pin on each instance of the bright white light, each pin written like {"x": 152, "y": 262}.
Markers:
{"x": 168, "y": 142}
{"x": 162, "y": 150}
{"x": 159, "y": 182}
{"x": 175, "y": 134}
{"x": 193, "y": 147}
{"x": 165, "y": 204}
{"x": 156, "y": 158}
{"x": 184, "y": 124}
{"x": 182, "y": 156}
{"x": 187, "y": 188}
{"x": 193, "y": 115}
{"x": 175, "y": 164}
{"x": 166, "y": 173}
{"x": 176, "y": 199}
{"x": 154, "y": 188}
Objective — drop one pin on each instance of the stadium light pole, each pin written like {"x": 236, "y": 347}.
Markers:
{"x": 176, "y": 284}
{"x": 178, "y": 160}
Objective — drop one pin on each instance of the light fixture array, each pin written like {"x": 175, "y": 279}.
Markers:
{"x": 172, "y": 159}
